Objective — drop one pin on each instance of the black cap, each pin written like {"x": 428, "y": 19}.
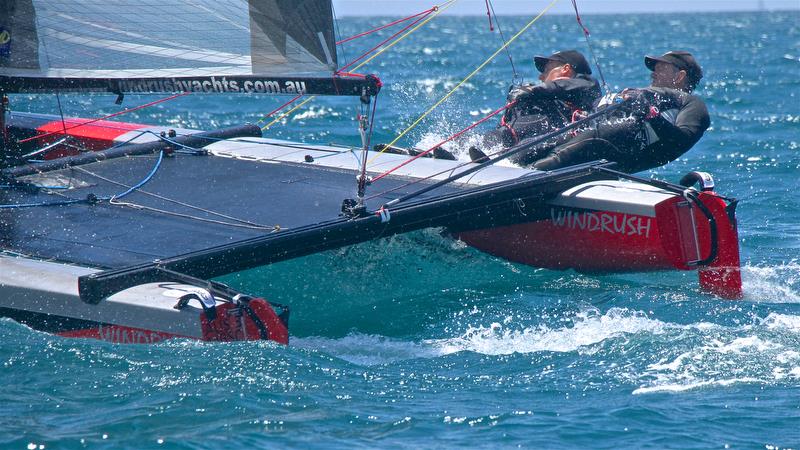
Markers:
{"x": 571, "y": 57}
{"x": 680, "y": 59}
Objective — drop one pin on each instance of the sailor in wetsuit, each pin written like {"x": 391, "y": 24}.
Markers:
{"x": 663, "y": 121}
{"x": 567, "y": 88}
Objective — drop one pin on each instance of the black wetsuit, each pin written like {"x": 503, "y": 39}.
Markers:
{"x": 635, "y": 143}
{"x": 542, "y": 108}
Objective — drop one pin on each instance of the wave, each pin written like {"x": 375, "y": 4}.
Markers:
{"x": 621, "y": 347}
{"x": 772, "y": 284}
{"x": 588, "y": 328}
{"x": 691, "y": 386}
{"x": 367, "y": 349}
{"x": 761, "y": 353}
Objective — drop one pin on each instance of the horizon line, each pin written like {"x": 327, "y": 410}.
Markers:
{"x": 593, "y": 13}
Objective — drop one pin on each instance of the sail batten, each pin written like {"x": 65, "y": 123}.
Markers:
{"x": 253, "y": 46}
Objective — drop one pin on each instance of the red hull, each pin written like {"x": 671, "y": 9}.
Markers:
{"x": 675, "y": 236}
{"x": 227, "y": 326}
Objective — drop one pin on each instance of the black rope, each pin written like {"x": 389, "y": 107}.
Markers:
{"x": 3, "y": 128}
{"x": 508, "y": 52}
{"x": 362, "y": 179}
{"x": 339, "y": 34}
{"x": 61, "y": 113}
{"x": 262, "y": 328}
{"x": 589, "y": 44}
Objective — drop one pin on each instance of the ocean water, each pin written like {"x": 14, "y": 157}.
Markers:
{"x": 419, "y": 341}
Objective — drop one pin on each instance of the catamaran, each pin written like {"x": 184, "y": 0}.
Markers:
{"x": 115, "y": 230}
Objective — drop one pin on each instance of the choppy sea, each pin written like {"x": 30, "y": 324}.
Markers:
{"x": 418, "y": 341}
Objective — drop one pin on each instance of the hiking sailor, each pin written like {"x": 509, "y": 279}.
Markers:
{"x": 663, "y": 121}
{"x": 567, "y": 88}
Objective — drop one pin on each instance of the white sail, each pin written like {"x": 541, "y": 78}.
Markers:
{"x": 42, "y": 41}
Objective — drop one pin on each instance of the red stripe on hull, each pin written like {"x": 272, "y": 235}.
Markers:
{"x": 121, "y": 334}
{"x": 94, "y": 136}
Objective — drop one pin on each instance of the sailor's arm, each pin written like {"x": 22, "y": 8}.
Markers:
{"x": 568, "y": 89}
{"x": 688, "y": 125}
{"x": 579, "y": 90}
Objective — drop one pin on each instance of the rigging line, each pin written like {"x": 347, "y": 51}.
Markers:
{"x": 362, "y": 179}
{"x": 91, "y": 198}
{"x": 61, "y": 113}
{"x": 45, "y": 148}
{"x": 277, "y": 119}
{"x": 457, "y": 86}
{"x": 408, "y": 161}
{"x": 338, "y": 32}
{"x": 290, "y": 145}
{"x": 365, "y": 54}
{"x": 159, "y": 137}
{"x": 199, "y": 219}
{"x": 143, "y": 182}
{"x": 169, "y": 200}
{"x": 424, "y": 19}
{"x": 428, "y": 18}
{"x": 419, "y": 180}
{"x": 589, "y": 44}
{"x": 515, "y": 75}
{"x": 427, "y": 11}
{"x": 489, "y": 14}
{"x": 140, "y": 134}
{"x": 287, "y": 144}
{"x": 267, "y": 141}
{"x": 35, "y": 205}
{"x": 281, "y": 107}
{"x": 181, "y": 94}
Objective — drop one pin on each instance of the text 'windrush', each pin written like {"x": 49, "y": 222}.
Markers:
{"x": 602, "y": 222}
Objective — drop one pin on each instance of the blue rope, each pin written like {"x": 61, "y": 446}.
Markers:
{"x": 86, "y": 200}
{"x": 143, "y": 182}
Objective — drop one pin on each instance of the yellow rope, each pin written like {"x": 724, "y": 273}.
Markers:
{"x": 439, "y": 10}
{"x": 503, "y": 47}
{"x": 287, "y": 112}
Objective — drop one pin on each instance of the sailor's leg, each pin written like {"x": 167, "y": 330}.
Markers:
{"x": 530, "y": 127}
{"x": 499, "y": 136}
{"x": 616, "y": 143}
{"x": 495, "y": 138}
{"x": 534, "y": 154}
{"x": 516, "y": 130}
